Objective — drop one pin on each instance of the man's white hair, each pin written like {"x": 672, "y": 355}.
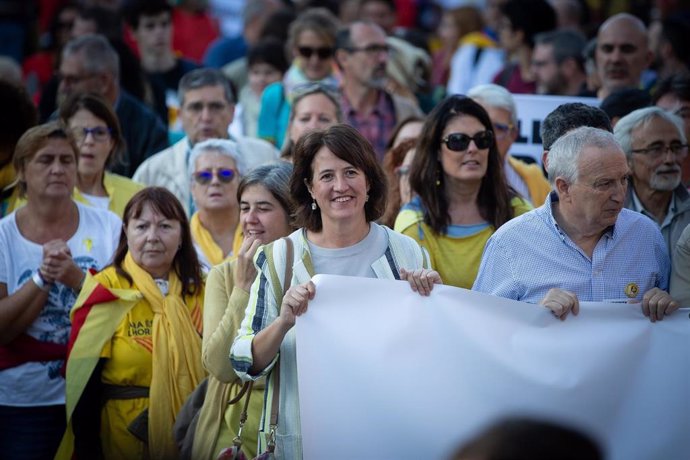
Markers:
{"x": 564, "y": 155}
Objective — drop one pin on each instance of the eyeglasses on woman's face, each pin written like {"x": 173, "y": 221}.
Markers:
{"x": 224, "y": 175}
{"x": 459, "y": 142}
{"x": 99, "y": 133}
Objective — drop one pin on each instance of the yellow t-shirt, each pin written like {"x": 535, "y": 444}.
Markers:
{"x": 456, "y": 259}
{"x": 129, "y": 362}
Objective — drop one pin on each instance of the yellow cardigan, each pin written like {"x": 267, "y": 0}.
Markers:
{"x": 539, "y": 188}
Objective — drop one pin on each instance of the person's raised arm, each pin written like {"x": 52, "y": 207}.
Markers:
{"x": 267, "y": 342}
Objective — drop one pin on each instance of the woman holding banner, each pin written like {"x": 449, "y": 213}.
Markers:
{"x": 339, "y": 189}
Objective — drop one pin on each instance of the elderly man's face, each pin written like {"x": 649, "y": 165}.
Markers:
{"x": 622, "y": 54}
{"x": 206, "y": 114}
{"x": 74, "y": 78}
{"x": 660, "y": 168}
{"x": 505, "y": 131}
{"x": 596, "y": 198}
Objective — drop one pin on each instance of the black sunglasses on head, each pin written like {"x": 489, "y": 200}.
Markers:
{"x": 322, "y": 53}
{"x": 458, "y": 142}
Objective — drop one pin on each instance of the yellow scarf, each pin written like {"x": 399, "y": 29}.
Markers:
{"x": 202, "y": 237}
{"x": 177, "y": 367}
{"x": 7, "y": 175}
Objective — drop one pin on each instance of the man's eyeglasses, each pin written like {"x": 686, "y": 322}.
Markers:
{"x": 371, "y": 49}
{"x": 322, "y": 52}
{"x": 225, "y": 176}
{"x": 198, "y": 106}
{"x": 72, "y": 80}
{"x": 99, "y": 133}
{"x": 458, "y": 142}
{"x": 658, "y": 150}
{"x": 502, "y": 130}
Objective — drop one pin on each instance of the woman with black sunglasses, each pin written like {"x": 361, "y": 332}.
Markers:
{"x": 311, "y": 42}
{"x": 461, "y": 194}
{"x": 217, "y": 167}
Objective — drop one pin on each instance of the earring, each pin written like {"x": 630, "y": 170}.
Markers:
{"x": 313, "y": 205}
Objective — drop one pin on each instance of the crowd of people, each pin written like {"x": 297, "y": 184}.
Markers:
{"x": 173, "y": 174}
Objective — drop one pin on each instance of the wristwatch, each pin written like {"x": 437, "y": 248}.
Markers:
{"x": 39, "y": 281}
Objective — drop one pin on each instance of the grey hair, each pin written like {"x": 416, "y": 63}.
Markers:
{"x": 97, "y": 53}
{"x": 310, "y": 89}
{"x": 640, "y": 117}
{"x": 565, "y": 153}
{"x": 275, "y": 177}
{"x": 201, "y": 78}
{"x": 495, "y": 96}
{"x": 222, "y": 146}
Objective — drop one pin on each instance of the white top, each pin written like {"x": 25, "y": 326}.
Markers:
{"x": 466, "y": 73}
{"x": 100, "y": 202}
{"x": 92, "y": 246}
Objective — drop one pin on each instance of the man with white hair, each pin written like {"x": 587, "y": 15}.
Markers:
{"x": 654, "y": 142}
{"x": 581, "y": 245}
{"x": 527, "y": 179}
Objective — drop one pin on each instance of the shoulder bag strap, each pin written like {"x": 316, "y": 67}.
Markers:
{"x": 289, "y": 260}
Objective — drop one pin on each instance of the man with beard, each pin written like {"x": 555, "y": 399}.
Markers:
{"x": 622, "y": 53}
{"x": 558, "y": 64}
{"x": 361, "y": 54}
{"x": 581, "y": 245}
{"x": 654, "y": 143}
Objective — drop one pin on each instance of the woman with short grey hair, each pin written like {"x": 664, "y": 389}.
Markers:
{"x": 216, "y": 166}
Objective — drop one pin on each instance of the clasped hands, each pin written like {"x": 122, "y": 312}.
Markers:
{"x": 58, "y": 266}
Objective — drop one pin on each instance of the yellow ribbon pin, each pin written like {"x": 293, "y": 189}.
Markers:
{"x": 631, "y": 290}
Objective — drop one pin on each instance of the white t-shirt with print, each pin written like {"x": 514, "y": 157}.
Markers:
{"x": 92, "y": 246}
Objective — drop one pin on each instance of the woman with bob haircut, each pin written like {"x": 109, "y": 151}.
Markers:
{"x": 339, "y": 190}
{"x": 46, "y": 246}
{"x": 135, "y": 347}
{"x": 461, "y": 193}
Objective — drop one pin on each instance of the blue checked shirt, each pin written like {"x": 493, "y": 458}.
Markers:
{"x": 530, "y": 254}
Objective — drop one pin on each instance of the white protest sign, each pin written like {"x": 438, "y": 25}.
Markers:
{"x": 385, "y": 373}
{"x": 531, "y": 110}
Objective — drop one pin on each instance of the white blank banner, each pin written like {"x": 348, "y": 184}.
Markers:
{"x": 387, "y": 374}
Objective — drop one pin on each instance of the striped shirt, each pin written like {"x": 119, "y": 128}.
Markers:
{"x": 531, "y": 254}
